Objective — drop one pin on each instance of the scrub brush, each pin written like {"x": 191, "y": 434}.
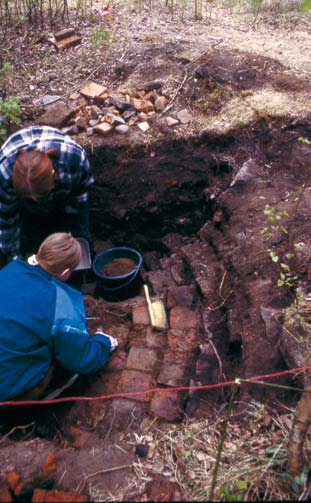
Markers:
{"x": 156, "y": 311}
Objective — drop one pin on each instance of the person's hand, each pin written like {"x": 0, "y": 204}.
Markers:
{"x": 113, "y": 340}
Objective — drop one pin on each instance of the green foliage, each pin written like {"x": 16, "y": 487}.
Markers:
{"x": 233, "y": 490}
{"x": 9, "y": 114}
{"x": 304, "y": 139}
{"x": 306, "y": 5}
{"x": 100, "y": 37}
{"x": 274, "y": 220}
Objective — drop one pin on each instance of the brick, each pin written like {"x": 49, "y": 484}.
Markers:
{"x": 134, "y": 380}
{"x": 12, "y": 479}
{"x": 68, "y": 42}
{"x": 55, "y": 496}
{"x": 155, "y": 339}
{"x": 5, "y": 495}
{"x": 38, "y": 496}
{"x": 173, "y": 375}
{"x": 140, "y": 315}
{"x": 167, "y": 405}
{"x": 183, "y": 340}
{"x": 49, "y": 466}
{"x": 183, "y": 317}
{"x": 104, "y": 128}
{"x": 66, "y": 32}
{"x": 142, "y": 359}
{"x": 93, "y": 90}
{"x": 142, "y": 105}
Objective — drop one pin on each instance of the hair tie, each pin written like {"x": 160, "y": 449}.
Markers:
{"x": 33, "y": 260}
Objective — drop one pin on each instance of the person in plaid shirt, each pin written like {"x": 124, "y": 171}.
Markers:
{"x": 44, "y": 181}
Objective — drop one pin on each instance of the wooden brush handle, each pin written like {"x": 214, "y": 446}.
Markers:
{"x": 149, "y": 305}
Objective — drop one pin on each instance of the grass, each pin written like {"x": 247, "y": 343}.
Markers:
{"x": 253, "y": 462}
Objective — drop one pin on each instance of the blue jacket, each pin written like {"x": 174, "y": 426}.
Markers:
{"x": 42, "y": 318}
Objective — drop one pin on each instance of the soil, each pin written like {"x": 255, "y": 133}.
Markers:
{"x": 192, "y": 199}
{"x": 118, "y": 267}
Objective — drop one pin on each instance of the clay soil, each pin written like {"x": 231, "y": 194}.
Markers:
{"x": 191, "y": 199}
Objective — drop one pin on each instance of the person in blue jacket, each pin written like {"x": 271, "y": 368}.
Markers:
{"x": 43, "y": 323}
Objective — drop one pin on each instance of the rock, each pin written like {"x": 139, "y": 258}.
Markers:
{"x": 160, "y": 103}
{"x": 57, "y": 115}
{"x": 184, "y": 116}
{"x": 122, "y": 129}
{"x": 142, "y": 105}
{"x": 143, "y": 126}
{"x": 170, "y": 121}
{"x": 104, "y": 128}
{"x": 93, "y": 90}
{"x": 49, "y": 99}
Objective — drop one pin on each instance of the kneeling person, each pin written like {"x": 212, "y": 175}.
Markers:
{"x": 42, "y": 322}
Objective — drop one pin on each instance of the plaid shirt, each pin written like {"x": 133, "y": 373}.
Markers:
{"x": 72, "y": 179}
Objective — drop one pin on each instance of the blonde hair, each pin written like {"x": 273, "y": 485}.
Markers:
{"x": 33, "y": 173}
{"x": 58, "y": 252}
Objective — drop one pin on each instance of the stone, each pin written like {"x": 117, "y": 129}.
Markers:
{"x": 57, "y": 115}
{"x": 170, "y": 121}
{"x": 128, "y": 114}
{"x": 173, "y": 375}
{"x": 184, "y": 116}
{"x": 93, "y": 90}
{"x": 140, "y": 315}
{"x": 122, "y": 129}
{"x": 160, "y": 103}
{"x": 138, "y": 383}
{"x": 142, "y": 359}
{"x": 143, "y": 126}
{"x": 104, "y": 128}
{"x": 183, "y": 317}
{"x": 167, "y": 404}
{"x": 142, "y": 105}
{"x": 48, "y": 99}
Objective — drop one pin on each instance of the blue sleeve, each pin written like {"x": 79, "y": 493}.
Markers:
{"x": 76, "y": 350}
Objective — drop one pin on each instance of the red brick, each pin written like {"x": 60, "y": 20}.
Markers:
{"x": 140, "y": 316}
{"x": 173, "y": 375}
{"x": 142, "y": 359}
{"x": 167, "y": 405}
{"x": 5, "y": 496}
{"x": 134, "y": 380}
{"x": 183, "y": 317}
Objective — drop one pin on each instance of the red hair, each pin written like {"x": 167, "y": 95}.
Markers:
{"x": 33, "y": 173}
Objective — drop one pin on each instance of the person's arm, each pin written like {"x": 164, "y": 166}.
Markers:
{"x": 76, "y": 350}
{"x": 9, "y": 221}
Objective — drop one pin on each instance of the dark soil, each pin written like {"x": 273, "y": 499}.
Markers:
{"x": 118, "y": 267}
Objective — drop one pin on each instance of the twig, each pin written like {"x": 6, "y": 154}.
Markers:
{"x": 100, "y": 472}
{"x": 17, "y": 428}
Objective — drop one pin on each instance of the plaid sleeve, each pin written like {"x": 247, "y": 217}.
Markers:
{"x": 77, "y": 162}
{"x": 9, "y": 214}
